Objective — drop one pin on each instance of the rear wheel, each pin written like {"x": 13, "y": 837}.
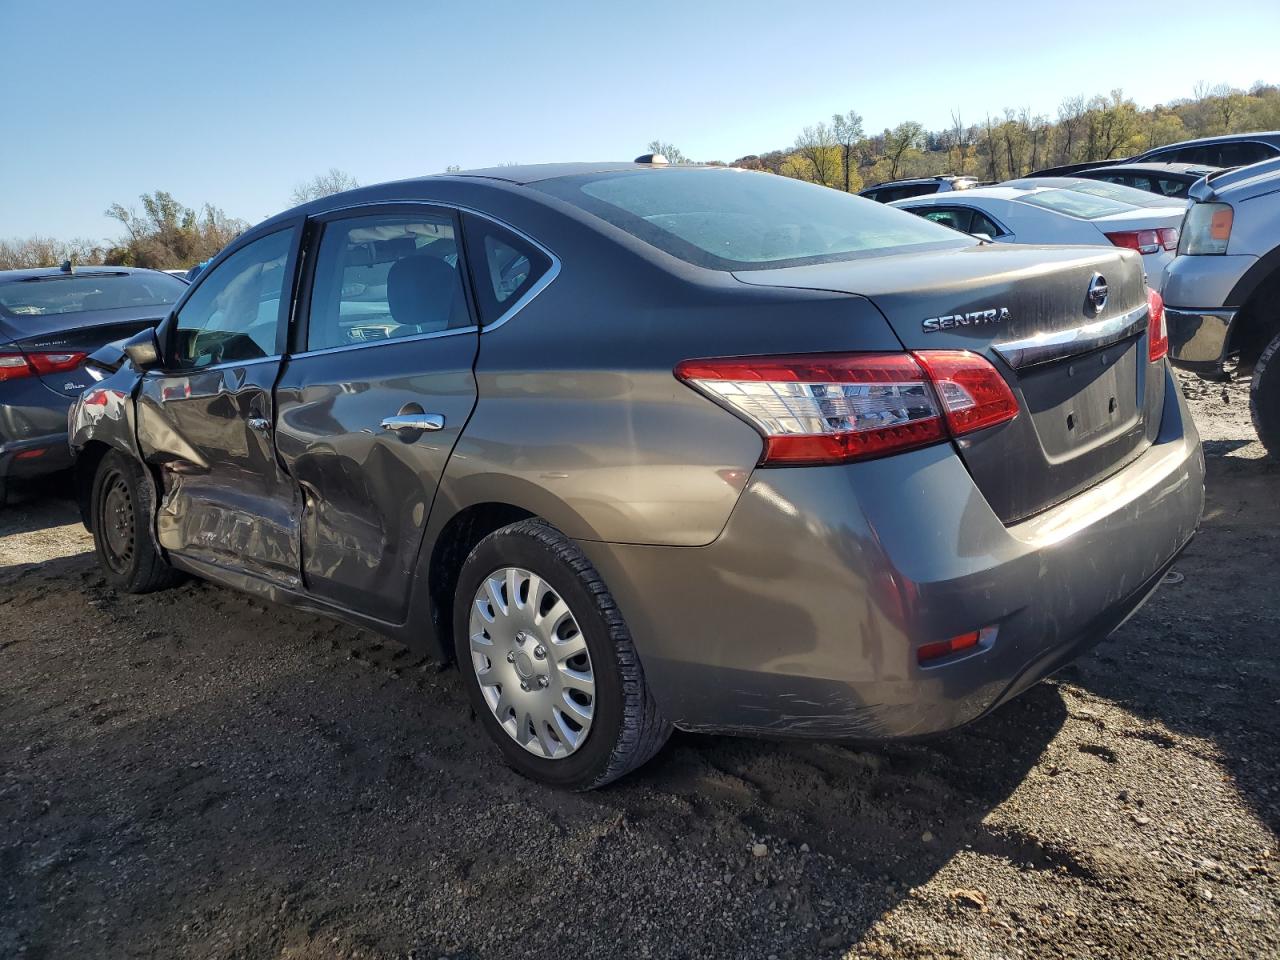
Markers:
{"x": 548, "y": 662}
{"x": 121, "y": 518}
{"x": 1264, "y": 397}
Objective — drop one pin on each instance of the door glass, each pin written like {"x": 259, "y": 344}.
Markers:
{"x": 385, "y": 277}
{"x": 954, "y": 218}
{"x": 981, "y": 224}
{"x": 234, "y": 313}
{"x": 504, "y": 266}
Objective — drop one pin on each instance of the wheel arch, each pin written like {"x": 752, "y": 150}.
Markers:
{"x": 1257, "y": 322}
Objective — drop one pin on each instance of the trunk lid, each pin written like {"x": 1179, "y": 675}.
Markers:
{"x": 82, "y": 332}
{"x": 1089, "y": 399}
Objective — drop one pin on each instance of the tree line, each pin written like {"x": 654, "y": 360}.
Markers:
{"x": 838, "y": 153}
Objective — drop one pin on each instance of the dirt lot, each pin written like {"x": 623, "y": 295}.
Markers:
{"x": 195, "y": 773}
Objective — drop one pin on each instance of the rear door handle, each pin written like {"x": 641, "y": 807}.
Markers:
{"x": 414, "y": 421}
{"x": 260, "y": 424}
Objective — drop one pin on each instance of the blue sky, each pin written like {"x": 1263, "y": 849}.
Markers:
{"x": 235, "y": 102}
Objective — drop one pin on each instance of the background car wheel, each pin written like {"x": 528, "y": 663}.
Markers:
{"x": 548, "y": 662}
{"x": 1264, "y": 398}
{"x": 121, "y": 508}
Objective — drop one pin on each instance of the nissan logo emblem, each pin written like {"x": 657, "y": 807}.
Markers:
{"x": 1098, "y": 292}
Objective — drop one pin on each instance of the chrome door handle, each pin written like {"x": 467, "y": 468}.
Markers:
{"x": 260, "y": 424}
{"x": 414, "y": 421}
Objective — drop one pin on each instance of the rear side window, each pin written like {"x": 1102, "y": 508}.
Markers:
{"x": 741, "y": 220}
{"x": 385, "y": 277}
{"x": 234, "y": 312}
{"x": 88, "y": 291}
{"x": 504, "y": 266}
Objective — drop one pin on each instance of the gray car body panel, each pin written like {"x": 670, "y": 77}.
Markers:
{"x": 1204, "y": 294}
{"x": 804, "y": 590}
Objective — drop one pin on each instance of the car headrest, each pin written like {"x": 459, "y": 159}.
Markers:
{"x": 422, "y": 291}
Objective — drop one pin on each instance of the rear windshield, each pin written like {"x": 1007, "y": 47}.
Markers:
{"x": 741, "y": 220}
{"x": 1073, "y": 203}
{"x": 83, "y": 292}
{"x": 1123, "y": 193}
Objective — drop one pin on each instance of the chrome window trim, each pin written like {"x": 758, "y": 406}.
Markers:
{"x": 541, "y": 284}
{"x": 342, "y": 348}
{"x": 1060, "y": 344}
{"x": 226, "y": 365}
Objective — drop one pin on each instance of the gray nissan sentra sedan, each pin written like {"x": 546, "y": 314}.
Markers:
{"x": 646, "y": 447}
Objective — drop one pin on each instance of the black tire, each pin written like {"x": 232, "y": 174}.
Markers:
{"x": 120, "y": 514}
{"x": 626, "y": 730}
{"x": 1264, "y": 398}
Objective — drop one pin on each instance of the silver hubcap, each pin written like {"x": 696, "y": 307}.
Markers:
{"x": 531, "y": 659}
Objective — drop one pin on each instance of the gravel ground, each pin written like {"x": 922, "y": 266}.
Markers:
{"x": 199, "y": 774}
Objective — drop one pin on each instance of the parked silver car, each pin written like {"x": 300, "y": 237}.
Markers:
{"x": 1223, "y": 287}
{"x": 645, "y": 446}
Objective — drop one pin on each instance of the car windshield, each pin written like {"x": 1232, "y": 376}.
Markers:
{"x": 1073, "y": 203}
{"x": 79, "y": 293}
{"x": 741, "y": 220}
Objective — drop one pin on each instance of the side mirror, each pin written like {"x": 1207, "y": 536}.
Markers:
{"x": 143, "y": 349}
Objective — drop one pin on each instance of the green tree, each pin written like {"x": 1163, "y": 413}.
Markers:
{"x": 846, "y": 130}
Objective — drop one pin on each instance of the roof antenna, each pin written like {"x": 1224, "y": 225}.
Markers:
{"x": 651, "y": 158}
{"x": 67, "y": 267}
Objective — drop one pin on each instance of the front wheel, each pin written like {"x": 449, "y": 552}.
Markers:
{"x": 548, "y": 662}
{"x": 1264, "y": 398}
{"x": 120, "y": 515}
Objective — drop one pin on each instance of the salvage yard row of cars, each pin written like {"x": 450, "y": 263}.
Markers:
{"x": 645, "y": 447}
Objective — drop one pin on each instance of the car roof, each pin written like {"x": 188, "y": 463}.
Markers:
{"x": 1266, "y": 136}
{"x": 36, "y": 273}
{"x": 906, "y": 180}
{"x": 1240, "y": 182}
{"x": 1154, "y": 166}
{"x": 537, "y": 172}
{"x": 992, "y": 193}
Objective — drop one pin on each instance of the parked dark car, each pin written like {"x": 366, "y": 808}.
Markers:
{"x": 1229, "y": 150}
{"x": 645, "y": 446}
{"x": 891, "y": 190}
{"x": 50, "y": 320}
{"x": 1162, "y": 179}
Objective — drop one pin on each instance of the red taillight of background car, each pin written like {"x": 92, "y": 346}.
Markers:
{"x": 834, "y": 408}
{"x": 15, "y": 365}
{"x": 1157, "y": 329}
{"x": 1146, "y": 241}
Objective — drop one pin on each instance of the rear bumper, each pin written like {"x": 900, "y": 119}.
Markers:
{"x": 1198, "y": 338}
{"x": 804, "y": 617}
{"x": 33, "y": 429}
{"x": 34, "y": 456}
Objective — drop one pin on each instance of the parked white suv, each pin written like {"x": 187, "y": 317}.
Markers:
{"x": 1222, "y": 290}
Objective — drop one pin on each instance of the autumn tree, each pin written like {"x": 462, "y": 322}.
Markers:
{"x": 322, "y": 185}
{"x": 818, "y": 148}
{"x": 846, "y": 130}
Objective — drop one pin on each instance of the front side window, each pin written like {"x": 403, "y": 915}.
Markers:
{"x": 727, "y": 219}
{"x": 234, "y": 313}
{"x": 505, "y": 266}
{"x": 84, "y": 292}
{"x": 386, "y": 277}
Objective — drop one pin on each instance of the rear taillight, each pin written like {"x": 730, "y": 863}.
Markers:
{"x": 833, "y": 408}
{"x": 1146, "y": 241}
{"x": 1206, "y": 229}
{"x": 1157, "y": 330}
{"x": 15, "y": 366}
